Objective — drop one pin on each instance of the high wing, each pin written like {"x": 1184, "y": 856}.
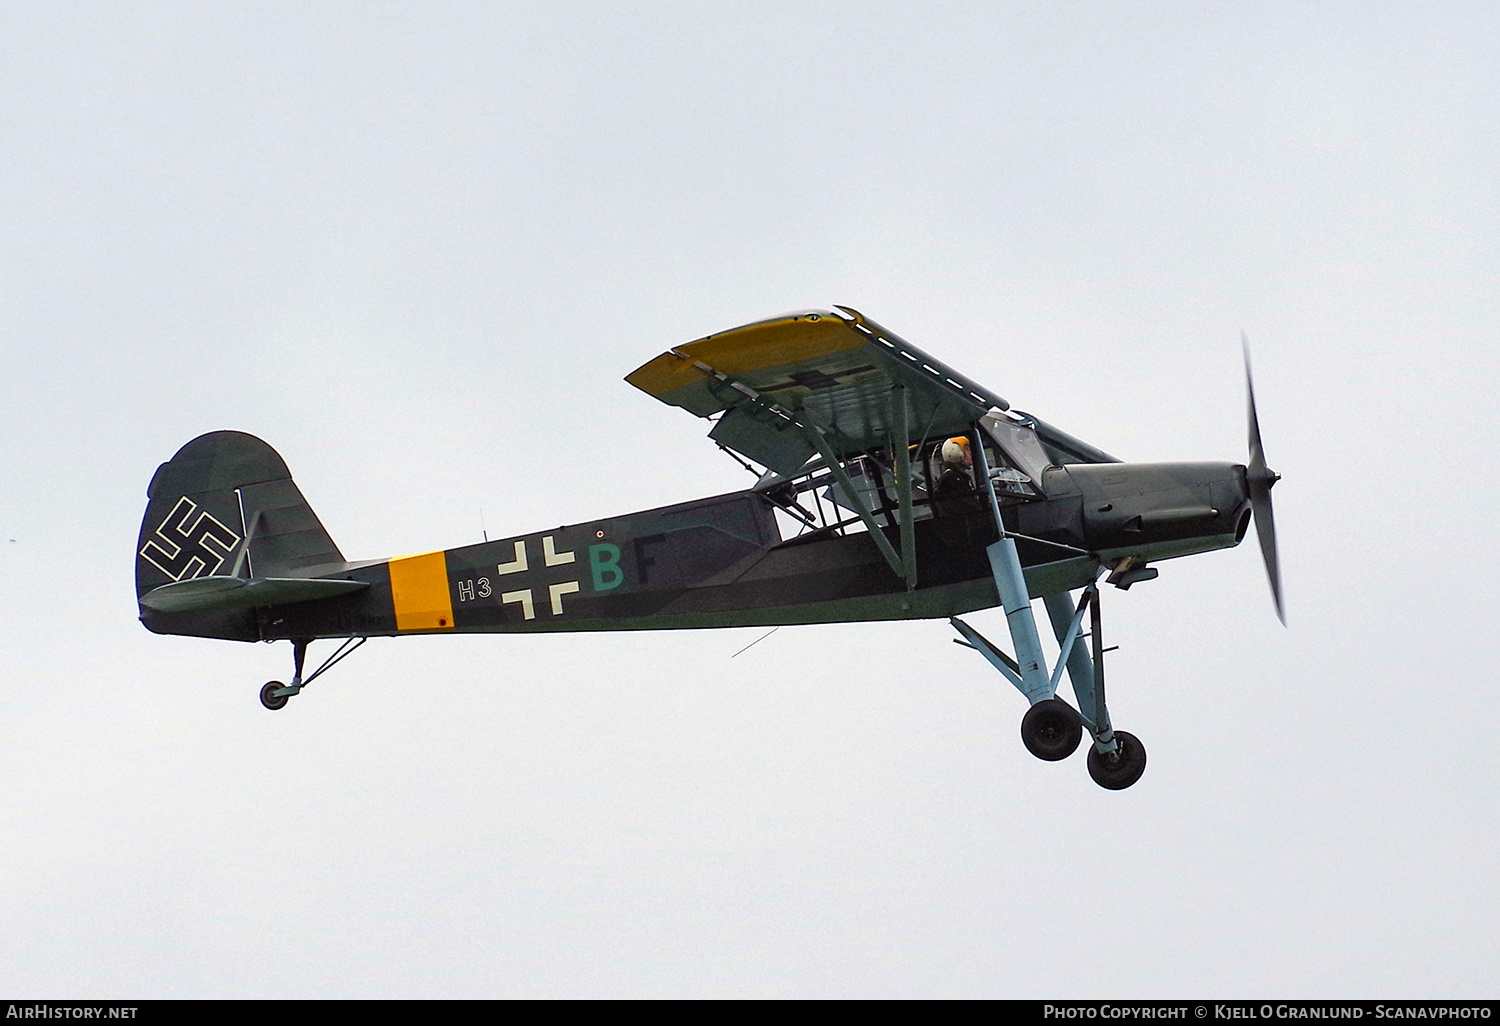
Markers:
{"x": 820, "y": 381}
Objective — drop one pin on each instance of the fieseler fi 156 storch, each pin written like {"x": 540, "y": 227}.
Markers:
{"x": 889, "y": 487}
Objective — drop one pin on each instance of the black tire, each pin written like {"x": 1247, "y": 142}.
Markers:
{"x": 269, "y": 700}
{"x": 1051, "y": 730}
{"x": 1120, "y": 768}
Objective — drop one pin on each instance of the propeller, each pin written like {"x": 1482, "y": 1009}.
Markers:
{"x": 1258, "y": 481}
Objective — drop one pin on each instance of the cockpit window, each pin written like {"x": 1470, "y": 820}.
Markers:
{"x": 1023, "y": 450}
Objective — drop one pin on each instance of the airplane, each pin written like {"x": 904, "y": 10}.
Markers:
{"x": 907, "y": 490}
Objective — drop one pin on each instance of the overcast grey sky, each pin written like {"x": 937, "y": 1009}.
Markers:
{"x": 416, "y": 246}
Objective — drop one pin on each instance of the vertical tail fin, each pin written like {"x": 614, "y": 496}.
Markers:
{"x": 225, "y": 506}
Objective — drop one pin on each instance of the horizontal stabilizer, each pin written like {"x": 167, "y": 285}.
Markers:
{"x": 205, "y": 593}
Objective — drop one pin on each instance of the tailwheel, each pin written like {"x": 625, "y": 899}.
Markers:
{"x": 268, "y": 695}
{"x": 1051, "y": 730}
{"x": 1120, "y": 768}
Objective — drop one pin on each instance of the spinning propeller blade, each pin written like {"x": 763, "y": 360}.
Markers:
{"x": 1258, "y": 480}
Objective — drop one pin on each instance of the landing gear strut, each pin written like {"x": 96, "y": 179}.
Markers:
{"x": 1117, "y": 759}
{"x": 1052, "y": 729}
{"x": 275, "y": 695}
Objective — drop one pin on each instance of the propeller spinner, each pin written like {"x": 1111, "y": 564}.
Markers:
{"x": 1258, "y": 480}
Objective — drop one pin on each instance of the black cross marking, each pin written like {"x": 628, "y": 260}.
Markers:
{"x": 816, "y": 380}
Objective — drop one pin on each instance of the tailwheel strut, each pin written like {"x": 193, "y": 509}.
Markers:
{"x": 275, "y": 695}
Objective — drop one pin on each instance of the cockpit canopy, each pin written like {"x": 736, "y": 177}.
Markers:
{"x": 1017, "y": 458}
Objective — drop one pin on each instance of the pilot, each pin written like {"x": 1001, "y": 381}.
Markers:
{"x": 956, "y": 454}
{"x": 955, "y": 494}
{"x": 957, "y": 476}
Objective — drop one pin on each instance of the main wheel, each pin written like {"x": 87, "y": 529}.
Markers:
{"x": 269, "y": 699}
{"x": 1121, "y": 767}
{"x": 1051, "y": 730}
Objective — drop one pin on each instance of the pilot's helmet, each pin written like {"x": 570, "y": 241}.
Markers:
{"x": 956, "y": 452}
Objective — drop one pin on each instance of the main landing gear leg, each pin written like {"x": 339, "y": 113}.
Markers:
{"x": 1052, "y": 729}
{"x": 1116, "y": 759}
{"x": 275, "y": 695}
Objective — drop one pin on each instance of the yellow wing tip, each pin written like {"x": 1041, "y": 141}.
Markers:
{"x": 784, "y": 339}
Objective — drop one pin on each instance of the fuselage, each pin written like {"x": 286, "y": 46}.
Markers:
{"x": 723, "y": 562}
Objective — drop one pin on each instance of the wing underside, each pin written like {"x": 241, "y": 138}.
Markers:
{"x": 777, "y": 383}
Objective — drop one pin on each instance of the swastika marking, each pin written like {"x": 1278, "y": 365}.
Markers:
{"x": 189, "y": 543}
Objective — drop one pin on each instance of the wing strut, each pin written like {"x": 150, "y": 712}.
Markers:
{"x": 1015, "y": 599}
{"x": 903, "y": 563}
{"x": 902, "y": 452}
{"x": 898, "y": 564}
